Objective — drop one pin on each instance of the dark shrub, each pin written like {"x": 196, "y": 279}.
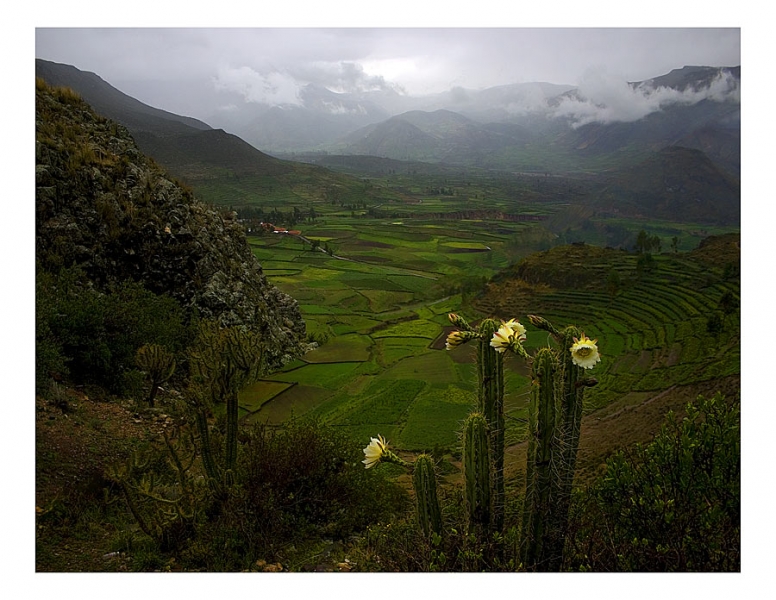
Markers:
{"x": 95, "y": 334}
{"x": 671, "y": 505}
{"x": 305, "y": 480}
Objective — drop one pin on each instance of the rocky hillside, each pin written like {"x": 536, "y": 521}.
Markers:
{"x": 104, "y": 206}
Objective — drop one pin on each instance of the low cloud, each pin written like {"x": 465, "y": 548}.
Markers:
{"x": 601, "y": 98}
{"x": 274, "y": 88}
{"x": 531, "y": 98}
{"x": 343, "y": 77}
{"x": 266, "y": 85}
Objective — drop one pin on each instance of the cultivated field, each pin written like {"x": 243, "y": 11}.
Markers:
{"x": 377, "y": 302}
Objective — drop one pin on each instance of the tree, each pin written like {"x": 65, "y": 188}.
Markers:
{"x": 642, "y": 242}
{"x": 645, "y": 243}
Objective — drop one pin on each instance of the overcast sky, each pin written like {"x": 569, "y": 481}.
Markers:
{"x": 187, "y": 70}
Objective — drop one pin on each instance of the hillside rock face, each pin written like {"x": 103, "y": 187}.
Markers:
{"x": 104, "y": 206}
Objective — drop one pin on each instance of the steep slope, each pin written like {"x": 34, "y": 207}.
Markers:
{"x": 222, "y": 168}
{"x": 108, "y": 101}
{"x": 104, "y": 206}
{"x": 188, "y": 148}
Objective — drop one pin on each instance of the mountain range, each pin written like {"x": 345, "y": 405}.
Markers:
{"x": 535, "y": 128}
{"x": 526, "y": 127}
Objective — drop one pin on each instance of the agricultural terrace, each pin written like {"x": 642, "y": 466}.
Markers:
{"x": 375, "y": 294}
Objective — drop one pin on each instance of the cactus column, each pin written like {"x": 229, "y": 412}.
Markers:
{"x": 571, "y": 393}
{"x": 559, "y": 389}
{"x": 491, "y": 402}
{"x": 476, "y": 469}
{"x": 539, "y": 468}
{"x": 424, "y": 482}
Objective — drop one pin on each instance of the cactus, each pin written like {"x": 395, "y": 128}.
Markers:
{"x": 225, "y": 361}
{"x": 491, "y": 403}
{"x": 424, "y": 482}
{"x": 205, "y": 447}
{"x": 555, "y": 418}
{"x": 476, "y": 469}
{"x": 158, "y": 363}
{"x": 555, "y": 415}
{"x": 571, "y": 391}
{"x": 539, "y": 468}
{"x": 165, "y": 503}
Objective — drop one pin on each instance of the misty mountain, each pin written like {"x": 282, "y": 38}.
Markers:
{"x": 691, "y": 78}
{"x": 320, "y": 117}
{"x": 527, "y": 126}
{"x": 187, "y": 147}
{"x": 513, "y": 103}
{"x": 709, "y": 126}
{"x": 693, "y": 107}
{"x": 109, "y": 101}
{"x": 438, "y": 136}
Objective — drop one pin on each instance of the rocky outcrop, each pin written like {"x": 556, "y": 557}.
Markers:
{"x": 104, "y": 206}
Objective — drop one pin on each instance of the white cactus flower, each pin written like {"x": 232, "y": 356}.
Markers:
{"x": 502, "y": 338}
{"x": 374, "y": 451}
{"x": 515, "y": 326}
{"x": 584, "y": 352}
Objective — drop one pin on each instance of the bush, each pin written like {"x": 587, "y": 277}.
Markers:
{"x": 94, "y": 334}
{"x": 671, "y": 505}
{"x": 49, "y": 354}
{"x": 401, "y": 546}
{"x": 293, "y": 484}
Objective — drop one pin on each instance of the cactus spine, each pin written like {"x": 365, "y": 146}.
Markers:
{"x": 491, "y": 402}
{"x": 476, "y": 469}
{"x": 424, "y": 482}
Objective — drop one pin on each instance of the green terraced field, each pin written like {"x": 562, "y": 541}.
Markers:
{"x": 382, "y": 299}
{"x": 653, "y": 334}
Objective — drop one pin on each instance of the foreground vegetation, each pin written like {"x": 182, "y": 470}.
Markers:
{"x": 417, "y": 395}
